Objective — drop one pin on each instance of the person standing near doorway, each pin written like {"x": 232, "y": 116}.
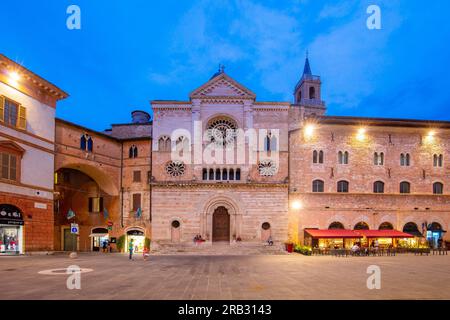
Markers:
{"x": 130, "y": 249}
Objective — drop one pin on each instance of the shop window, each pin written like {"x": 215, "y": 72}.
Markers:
{"x": 317, "y": 186}
{"x": 95, "y": 204}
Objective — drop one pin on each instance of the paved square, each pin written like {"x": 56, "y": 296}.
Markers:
{"x": 226, "y": 277}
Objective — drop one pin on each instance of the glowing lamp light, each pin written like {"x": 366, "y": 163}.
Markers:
{"x": 430, "y": 136}
{"x": 309, "y": 130}
{"x": 14, "y": 77}
{"x": 296, "y": 205}
{"x": 361, "y": 135}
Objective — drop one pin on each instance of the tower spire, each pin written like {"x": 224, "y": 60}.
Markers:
{"x": 307, "y": 68}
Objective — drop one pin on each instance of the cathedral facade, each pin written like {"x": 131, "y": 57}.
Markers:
{"x": 220, "y": 165}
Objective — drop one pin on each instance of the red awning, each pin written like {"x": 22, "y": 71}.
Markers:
{"x": 384, "y": 234}
{"x": 332, "y": 234}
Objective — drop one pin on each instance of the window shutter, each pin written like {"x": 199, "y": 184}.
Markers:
{"x": 90, "y": 204}
{"x": 2, "y": 109}
{"x": 22, "y": 123}
{"x": 101, "y": 204}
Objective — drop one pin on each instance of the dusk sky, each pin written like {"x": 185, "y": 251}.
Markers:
{"x": 130, "y": 52}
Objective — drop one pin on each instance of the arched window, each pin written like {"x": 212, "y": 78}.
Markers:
{"x": 438, "y": 188}
{"x": 412, "y": 229}
{"x": 164, "y": 144}
{"x": 405, "y": 159}
{"x": 182, "y": 144}
{"x": 386, "y": 226}
{"x": 317, "y": 156}
{"x": 361, "y": 226}
{"x": 273, "y": 143}
{"x": 224, "y": 174}
{"x": 405, "y": 187}
{"x": 83, "y": 142}
{"x": 270, "y": 142}
{"x": 211, "y": 174}
{"x": 133, "y": 152}
{"x": 378, "y": 187}
{"x": 205, "y": 174}
{"x": 317, "y": 186}
{"x": 267, "y": 143}
{"x": 336, "y": 226}
{"x": 312, "y": 92}
{"x": 90, "y": 144}
{"x": 238, "y": 174}
{"x": 217, "y": 174}
{"x": 231, "y": 174}
{"x": 342, "y": 186}
{"x": 378, "y": 158}
{"x": 437, "y": 160}
{"x": 343, "y": 157}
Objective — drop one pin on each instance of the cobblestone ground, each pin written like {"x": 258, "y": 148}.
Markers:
{"x": 226, "y": 277}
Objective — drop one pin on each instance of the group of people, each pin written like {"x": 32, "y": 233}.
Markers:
{"x": 198, "y": 239}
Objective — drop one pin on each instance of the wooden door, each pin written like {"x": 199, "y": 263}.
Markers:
{"x": 221, "y": 225}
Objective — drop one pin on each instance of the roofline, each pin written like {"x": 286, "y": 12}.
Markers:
{"x": 169, "y": 102}
{"x": 85, "y": 128}
{"x": 48, "y": 86}
{"x": 394, "y": 122}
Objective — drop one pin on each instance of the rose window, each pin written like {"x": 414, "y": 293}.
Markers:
{"x": 175, "y": 168}
{"x": 267, "y": 168}
{"x": 222, "y": 131}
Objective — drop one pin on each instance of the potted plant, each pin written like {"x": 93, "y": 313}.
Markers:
{"x": 289, "y": 246}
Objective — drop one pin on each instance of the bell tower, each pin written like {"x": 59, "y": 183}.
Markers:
{"x": 307, "y": 93}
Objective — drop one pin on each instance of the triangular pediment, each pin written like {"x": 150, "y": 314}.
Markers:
{"x": 222, "y": 86}
{"x": 11, "y": 145}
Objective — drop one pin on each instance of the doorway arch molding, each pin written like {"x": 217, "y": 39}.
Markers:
{"x": 206, "y": 219}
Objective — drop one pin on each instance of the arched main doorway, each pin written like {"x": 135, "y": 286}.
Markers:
{"x": 221, "y": 225}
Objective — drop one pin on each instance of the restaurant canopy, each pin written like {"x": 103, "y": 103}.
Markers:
{"x": 333, "y": 234}
{"x": 384, "y": 234}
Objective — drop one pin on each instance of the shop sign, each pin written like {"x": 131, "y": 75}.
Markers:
{"x": 10, "y": 215}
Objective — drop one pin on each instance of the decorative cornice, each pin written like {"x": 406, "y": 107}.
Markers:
{"x": 193, "y": 184}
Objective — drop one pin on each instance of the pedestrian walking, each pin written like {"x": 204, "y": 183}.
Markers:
{"x": 130, "y": 249}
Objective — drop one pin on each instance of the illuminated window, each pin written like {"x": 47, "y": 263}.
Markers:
{"x": 95, "y": 204}
{"x": 378, "y": 158}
